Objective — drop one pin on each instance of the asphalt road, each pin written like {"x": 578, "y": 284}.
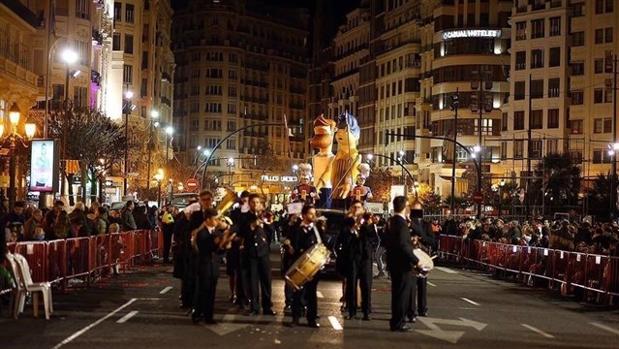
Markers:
{"x": 139, "y": 309}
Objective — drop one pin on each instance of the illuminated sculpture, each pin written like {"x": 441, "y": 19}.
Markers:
{"x": 324, "y": 130}
{"x": 362, "y": 192}
{"x": 305, "y": 191}
{"x": 347, "y": 159}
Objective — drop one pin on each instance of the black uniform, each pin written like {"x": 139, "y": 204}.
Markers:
{"x": 257, "y": 246}
{"x": 400, "y": 262}
{"x": 302, "y": 238}
{"x": 243, "y": 233}
{"x": 366, "y": 236}
{"x": 419, "y": 292}
{"x": 233, "y": 259}
{"x": 182, "y": 258}
{"x": 207, "y": 273}
{"x": 349, "y": 259}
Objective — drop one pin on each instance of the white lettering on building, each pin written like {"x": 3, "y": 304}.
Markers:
{"x": 267, "y": 178}
{"x": 472, "y": 33}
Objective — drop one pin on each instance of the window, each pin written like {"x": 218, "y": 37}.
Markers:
{"x": 80, "y": 96}
{"x": 519, "y": 88}
{"x": 231, "y": 125}
{"x": 232, "y": 74}
{"x": 519, "y": 120}
{"x": 518, "y": 149}
{"x": 599, "y": 36}
{"x": 128, "y": 43}
{"x": 537, "y": 59}
{"x": 578, "y": 39}
{"x": 553, "y": 118}
{"x": 537, "y": 119}
{"x": 127, "y": 74}
{"x": 82, "y": 9}
{"x": 577, "y": 69}
{"x": 608, "y": 34}
{"x": 144, "y": 60}
{"x": 504, "y": 122}
{"x": 577, "y": 97}
{"x": 521, "y": 31}
{"x": 603, "y": 6}
{"x": 537, "y": 28}
{"x": 536, "y": 149}
{"x": 555, "y": 26}
{"x": 555, "y": 57}
{"x": 213, "y": 107}
{"x": 231, "y": 143}
{"x": 144, "y": 88}
{"x": 231, "y": 108}
{"x": 554, "y": 87}
{"x": 503, "y": 150}
{"x": 598, "y": 95}
{"x": 602, "y": 125}
{"x": 601, "y": 156}
{"x": 552, "y": 146}
{"x": 118, "y": 8}
{"x": 214, "y": 73}
{"x": 116, "y": 42}
{"x": 521, "y": 60}
{"x": 58, "y": 92}
{"x": 129, "y": 9}
{"x": 537, "y": 88}
{"x": 576, "y": 126}
{"x": 598, "y": 65}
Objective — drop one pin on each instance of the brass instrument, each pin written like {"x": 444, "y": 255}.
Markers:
{"x": 227, "y": 201}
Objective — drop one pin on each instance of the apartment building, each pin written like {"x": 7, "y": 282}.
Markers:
{"x": 242, "y": 63}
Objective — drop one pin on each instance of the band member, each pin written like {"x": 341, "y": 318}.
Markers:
{"x": 367, "y": 232}
{"x": 349, "y": 260}
{"x": 302, "y": 237}
{"x": 400, "y": 262}
{"x": 233, "y": 255}
{"x": 249, "y": 257}
{"x": 206, "y": 239}
{"x": 419, "y": 292}
{"x": 257, "y": 244}
{"x": 196, "y": 219}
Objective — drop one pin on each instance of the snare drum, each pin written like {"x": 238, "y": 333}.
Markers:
{"x": 307, "y": 266}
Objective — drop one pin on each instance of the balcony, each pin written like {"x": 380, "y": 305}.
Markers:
{"x": 166, "y": 101}
{"x": 95, "y": 77}
{"x": 97, "y": 38}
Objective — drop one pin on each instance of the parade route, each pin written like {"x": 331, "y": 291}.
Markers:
{"x": 467, "y": 309}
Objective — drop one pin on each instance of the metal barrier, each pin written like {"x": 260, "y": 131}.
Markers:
{"x": 87, "y": 258}
{"x": 596, "y": 277}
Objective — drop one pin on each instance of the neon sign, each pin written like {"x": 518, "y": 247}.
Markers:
{"x": 472, "y": 33}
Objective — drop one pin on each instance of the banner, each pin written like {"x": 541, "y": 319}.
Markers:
{"x": 44, "y": 166}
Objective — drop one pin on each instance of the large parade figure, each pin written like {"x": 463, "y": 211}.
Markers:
{"x": 324, "y": 130}
{"x": 305, "y": 191}
{"x": 361, "y": 192}
{"x": 347, "y": 159}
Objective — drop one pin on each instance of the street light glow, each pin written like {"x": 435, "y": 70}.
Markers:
{"x": 401, "y": 152}
{"x": 156, "y": 124}
{"x": 206, "y": 152}
{"x": 295, "y": 167}
{"x": 370, "y": 157}
{"x": 476, "y": 149}
{"x": 154, "y": 114}
{"x": 199, "y": 147}
{"x": 169, "y": 130}
{"x": 230, "y": 161}
{"x": 615, "y": 146}
{"x": 129, "y": 94}
{"x": 69, "y": 56}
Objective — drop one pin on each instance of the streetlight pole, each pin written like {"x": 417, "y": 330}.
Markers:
{"x": 230, "y": 164}
{"x": 613, "y": 183}
{"x": 154, "y": 114}
{"x": 127, "y": 105}
{"x": 455, "y": 103}
{"x": 69, "y": 57}
{"x": 159, "y": 177}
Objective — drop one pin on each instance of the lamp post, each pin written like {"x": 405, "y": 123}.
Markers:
{"x": 169, "y": 131}
{"x": 154, "y": 115}
{"x": 69, "y": 57}
{"x": 501, "y": 185}
{"x": 13, "y": 138}
{"x": 159, "y": 178}
{"x": 127, "y": 107}
{"x": 478, "y": 155}
{"x": 230, "y": 164}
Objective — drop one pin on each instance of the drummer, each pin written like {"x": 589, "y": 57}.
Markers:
{"x": 302, "y": 237}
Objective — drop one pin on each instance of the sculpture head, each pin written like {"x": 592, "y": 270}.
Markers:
{"x": 323, "y": 134}
{"x": 348, "y": 132}
{"x": 305, "y": 172}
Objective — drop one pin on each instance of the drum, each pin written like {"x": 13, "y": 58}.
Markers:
{"x": 427, "y": 264}
{"x": 307, "y": 266}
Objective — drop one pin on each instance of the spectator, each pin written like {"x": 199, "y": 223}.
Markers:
{"x": 56, "y": 222}
{"x": 78, "y": 216}
{"x": 151, "y": 215}
{"x": 33, "y": 225}
{"x": 126, "y": 217}
{"x": 12, "y": 224}
{"x": 141, "y": 219}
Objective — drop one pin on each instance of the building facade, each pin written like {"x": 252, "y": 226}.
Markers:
{"x": 238, "y": 64}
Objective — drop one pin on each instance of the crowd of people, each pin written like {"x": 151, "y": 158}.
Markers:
{"x": 585, "y": 236}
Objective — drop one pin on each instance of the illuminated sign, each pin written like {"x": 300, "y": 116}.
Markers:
{"x": 471, "y": 33}
{"x": 266, "y": 178}
{"x": 44, "y": 166}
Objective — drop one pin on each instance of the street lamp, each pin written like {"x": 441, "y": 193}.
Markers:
{"x": 13, "y": 138}
{"x": 477, "y": 155}
{"x": 154, "y": 114}
{"x": 159, "y": 178}
{"x": 370, "y": 157}
{"x": 169, "y": 131}
{"x": 295, "y": 168}
{"x": 127, "y": 108}
{"x": 230, "y": 164}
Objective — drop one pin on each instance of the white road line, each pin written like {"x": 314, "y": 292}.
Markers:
{"x": 604, "y": 327}
{"x": 538, "y": 331}
{"x": 469, "y": 301}
{"x": 335, "y": 324}
{"x": 431, "y": 284}
{"x": 446, "y": 270}
{"x": 319, "y": 294}
{"x": 165, "y": 290}
{"x": 126, "y": 318}
{"x": 85, "y": 329}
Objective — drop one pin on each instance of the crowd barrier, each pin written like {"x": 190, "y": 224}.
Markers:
{"x": 594, "y": 277}
{"x": 87, "y": 258}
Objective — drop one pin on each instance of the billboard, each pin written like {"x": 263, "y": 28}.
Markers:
{"x": 44, "y": 166}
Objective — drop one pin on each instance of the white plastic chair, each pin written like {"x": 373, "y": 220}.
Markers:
{"x": 44, "y": 288}
{"x": 19, "y": 292}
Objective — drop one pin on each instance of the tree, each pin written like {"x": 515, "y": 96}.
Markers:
{"x": 380, "y": 182}
{"x": 598, "y": 196}
{"x": 430, "y": 201}
{"x": 556, "y": 184}
{"x": 89, "y": 137}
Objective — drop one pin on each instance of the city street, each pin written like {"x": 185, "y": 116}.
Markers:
{"x": 467, "y": 309}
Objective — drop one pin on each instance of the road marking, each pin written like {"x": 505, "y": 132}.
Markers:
{"x": 85, "y": 329}
{"x": 319, "y": 294}
{"x": 469, "y": 301}
{"x": 126, "y": 318}
{"x": 226, "y": 326}
{"x": 431, "y": 284}
{"x": 450, "y": 336}
{"x": 446, "y": 270}
{"x": 335, "y": 324}
{"x": 538, "y": 331}
{"x": 604, "y": 327}
{"x": 165, "y": 290}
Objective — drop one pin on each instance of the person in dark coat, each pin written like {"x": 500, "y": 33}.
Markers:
{"x": 244, "y": 234}
{"x": 258, "y": 246}
{"x": 302, "y": 237}
{"x": 349, "y": 260}
{"x": 182, "y": 257}
{"x": 233, "y": 255}
{"x": 367, "y": 240}
{"x": 196, "y": 219}
{"x": 400, "y": 262}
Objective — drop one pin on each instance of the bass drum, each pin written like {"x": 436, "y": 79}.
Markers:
{"x": 307, "y": 266}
